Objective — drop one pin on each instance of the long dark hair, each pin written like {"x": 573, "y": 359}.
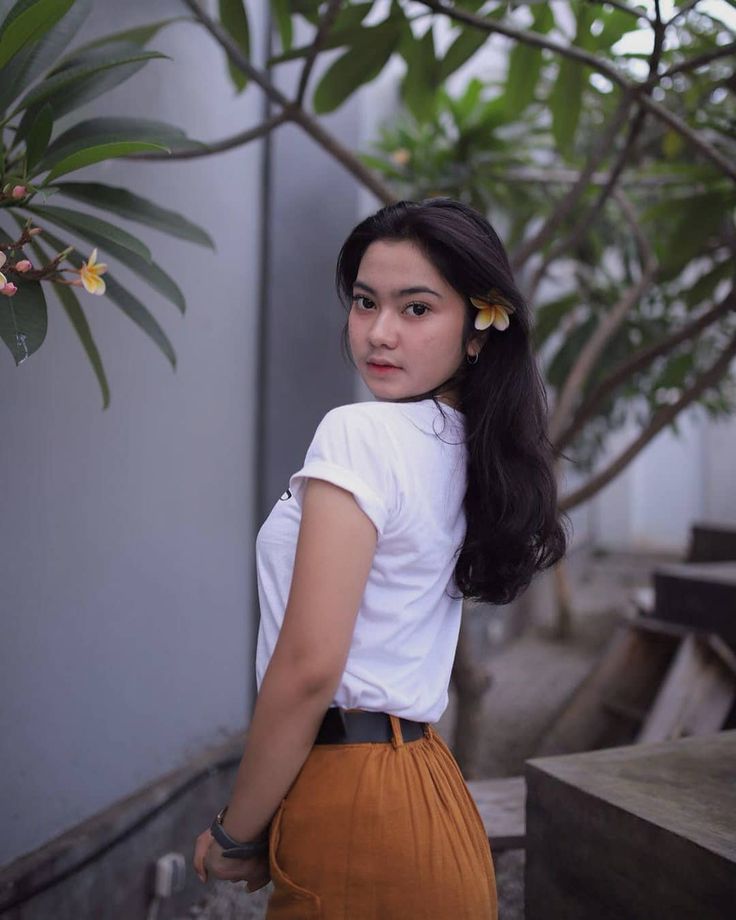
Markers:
{"x": 514, "y": 527}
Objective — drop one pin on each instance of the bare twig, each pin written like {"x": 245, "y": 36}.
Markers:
{"x": 606, "y": 327}
{"x": 639, "y": 362}
{"x": 528, "y": 37}
{"x": 661, "y": 418}
{"x": 227, "y": 143}
{"x": 585, "y": 57}
{"x": 588, "y": 217}
{"x": 677, "y": 124}
{"x": 567, "y": 204}
{"x": 236, "y": 55}
{"x": 683, "y": 11}
{"x": 637, "y": 14}
{"x": 699, "y": 60}
{"x": 292, "y": 112}
{"x": 325, "y": 24}
{"x": 563, "y": 176}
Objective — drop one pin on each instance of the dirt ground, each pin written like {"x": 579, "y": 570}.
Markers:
{"x": 533, "y": 675}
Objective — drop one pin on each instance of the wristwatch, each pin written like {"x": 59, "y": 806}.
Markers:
{"x": 231, "y": 848}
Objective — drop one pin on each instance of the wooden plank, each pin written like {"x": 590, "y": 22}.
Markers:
{"x": 501, "y": 803}
{"x": 624, "y": 680}
{"x": 695, "y": 697}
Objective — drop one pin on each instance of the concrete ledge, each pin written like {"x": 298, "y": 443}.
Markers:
{"x": 643, "y": 832}
{"x": 501, "y": 805}
{"x": 103, "y": 868}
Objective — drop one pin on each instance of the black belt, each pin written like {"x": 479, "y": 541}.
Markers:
{"x": 351, "y": 726}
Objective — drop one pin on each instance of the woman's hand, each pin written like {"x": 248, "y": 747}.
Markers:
{"x": 209, "y": 861}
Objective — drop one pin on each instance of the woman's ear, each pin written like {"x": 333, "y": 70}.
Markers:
{"x": 474, "y": 344}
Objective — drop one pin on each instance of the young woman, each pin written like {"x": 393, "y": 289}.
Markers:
{"x": 442, "y": 488}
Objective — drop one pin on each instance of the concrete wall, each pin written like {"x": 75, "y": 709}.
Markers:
{"x": 127, "y": 534}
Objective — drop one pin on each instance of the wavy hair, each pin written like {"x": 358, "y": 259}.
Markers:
{"x": 514, "y": 526}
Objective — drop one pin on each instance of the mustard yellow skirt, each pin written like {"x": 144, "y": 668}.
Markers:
{"x": 381, "y": 831}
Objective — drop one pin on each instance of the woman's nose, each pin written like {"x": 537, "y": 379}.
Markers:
{"x": 382, "y": 330}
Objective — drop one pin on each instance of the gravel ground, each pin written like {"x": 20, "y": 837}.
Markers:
{"x": 533, "y": 675}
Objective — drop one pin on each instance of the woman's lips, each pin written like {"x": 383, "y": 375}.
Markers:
{"x": 381, "y": 368}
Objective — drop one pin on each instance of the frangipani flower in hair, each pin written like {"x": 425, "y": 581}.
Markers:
{"x": 493, "y": 310}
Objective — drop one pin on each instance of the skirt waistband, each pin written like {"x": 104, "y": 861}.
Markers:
{"x": 355, "y": 726}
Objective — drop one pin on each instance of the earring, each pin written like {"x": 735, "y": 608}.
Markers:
{"x": 467, "y": 358}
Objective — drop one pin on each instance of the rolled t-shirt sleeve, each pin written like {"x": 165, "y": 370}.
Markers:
{"x": 350, "y": 450}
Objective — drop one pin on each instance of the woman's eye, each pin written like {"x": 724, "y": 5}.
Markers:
{"x": 421, "y": 307}
{"x": 357, "y": 297}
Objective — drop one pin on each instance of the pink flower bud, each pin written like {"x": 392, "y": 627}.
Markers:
{"x": 34, "y": 231}
{"x": 24, "y": 265}
{"x": 19, "y": 191}
{"x": 9, "y": 289}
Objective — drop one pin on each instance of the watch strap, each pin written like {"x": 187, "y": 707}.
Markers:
{"x": 232, "y": 849}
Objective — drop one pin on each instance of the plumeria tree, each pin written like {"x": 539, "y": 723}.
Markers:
{"x": 40, "y": 81}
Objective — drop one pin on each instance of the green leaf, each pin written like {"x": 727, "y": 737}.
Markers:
{"x": 359, "y": 65}
{"x": 135, "y": 310}
{"x": 107, "y": 131}
{"x": 461, "y": 50}
{"x": 706, "y": 284}
{"x": 97, "y": 231}
{"x": 140, "y": 35}
{"x": 77, "y": 318}
{"x": 347, "y": 30}
{"x": 525, "y": 65}
{"x": 234, "y": 19}
{"x": 23, "y": 320}
{"x": 36, "y": 58}
{"x": 127, "y": 302}
{"x": 566, "y": 98}
{"x": 39, "y": 135}
{"x": 419, "y": 86}
{"x": 150, "y": 272}
{"x": 616, "y": 24}
{"x": 98, "y": 154}
{"x": 85, "y": 81}
{"x": 132, "y": 207}
{"x": 282, "y": 13}
{"x": 73, "y": 309}
{"x": 29, "y": 26}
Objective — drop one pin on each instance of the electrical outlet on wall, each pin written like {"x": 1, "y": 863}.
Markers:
{"x": 171, "y": 872}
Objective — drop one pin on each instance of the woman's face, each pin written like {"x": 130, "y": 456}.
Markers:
{"x": 405, "y": 314}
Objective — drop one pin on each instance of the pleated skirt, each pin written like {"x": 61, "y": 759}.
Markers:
{"x": 381, "y": 831}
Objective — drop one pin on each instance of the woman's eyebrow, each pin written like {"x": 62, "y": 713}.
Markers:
{"x": 417, "y": 289}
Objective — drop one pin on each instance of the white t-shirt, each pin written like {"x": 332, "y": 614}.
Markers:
{"x": 406, "y": 466}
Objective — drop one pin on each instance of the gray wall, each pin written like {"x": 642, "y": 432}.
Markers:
{"x": 127, "y": 535}
{"x": 314, "y": 205}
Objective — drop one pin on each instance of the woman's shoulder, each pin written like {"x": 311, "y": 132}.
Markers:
{"x": 375, "y": 418}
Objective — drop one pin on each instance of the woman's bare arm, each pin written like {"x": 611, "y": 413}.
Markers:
{"x": 334, "y": 553}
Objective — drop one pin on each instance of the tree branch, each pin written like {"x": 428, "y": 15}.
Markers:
{"x": 527, "y": 37}
{"x": 292, "y": 112}
{"x": 637, "y": 14}
{"x": 607, "y": 326}
{"x": 678, "y": 125}
{"x": 567, "y": 204}
{"x": 227, "y": 143}
{"x": 578, "y": 231}
{"x": 638, "y": 362}
{"x": 660, "y": 420}
{"x": 694, "y": 63}
{"x": 682, "y": 12}
{"x": 325, "y": 24}
{"x": 601, "y": 66}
